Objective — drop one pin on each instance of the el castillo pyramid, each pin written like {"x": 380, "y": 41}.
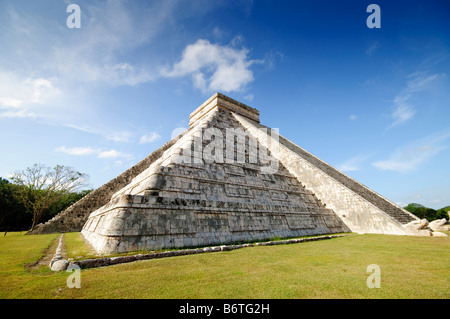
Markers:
{"x": 226, "y": 179}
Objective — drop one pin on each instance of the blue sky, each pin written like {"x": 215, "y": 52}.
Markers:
{"x": 372, "y": 102}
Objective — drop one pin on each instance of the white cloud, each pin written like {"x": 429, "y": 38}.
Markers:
{"x": 82, "y": 128}
{"x": 407, "y": 159}
{"x": 8, "y": 102}
{"x": 402, "y": 113}
{"x": 17, "y": 114}
{"x": 218, "y": 33}
{"x": 353, "y": 117}
{"x": 249, "y": 97}
{"x": 419, "y": 81}
{"x": 410, "y": 157}
{"x": 353, "y": 164}
{"x": 29, "y": 97}
{"x": 149, "y": 138}
{"x": 123, "y": 136}
{"x": 177, "y": 131}
{"x": 41, "y": 90}
{"x": 79, "y": 151}
{"x": 48, "y": 69}
{"x": 214, "y": 67}
{"x": 84, "y": 151}
{"x": 95, "y": 53}
{"x": 111, "y": 154}
{"x": 403, "y": 108}
{"x": 100, "y": 129}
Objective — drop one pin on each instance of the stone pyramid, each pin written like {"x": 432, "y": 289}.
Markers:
{"x": 229, "y": 179}
{"x": 226, "y": 179}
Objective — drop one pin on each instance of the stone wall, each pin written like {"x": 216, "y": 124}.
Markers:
{"x": 171, "y": 224}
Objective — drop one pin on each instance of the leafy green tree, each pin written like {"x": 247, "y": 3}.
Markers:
{"x": 12, "y": 210}
{"x": 413, "y": 207}
{"x": 443, "y": 213}
{"x": 41, "y": 186}
{"x": 62, "y": 204}
{"x": 429, "y": 214}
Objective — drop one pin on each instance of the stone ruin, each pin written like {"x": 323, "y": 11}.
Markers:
{"x": 227, "y": 179}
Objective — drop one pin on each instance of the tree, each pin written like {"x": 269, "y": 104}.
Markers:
{"x": 12, "y": 211}
{"x": 412, "y": 207}
{"x": 443, "y": 213}
{"x": 41, "y": 186}
{"x": 429, "y": 214}
{"x": 62, "y": 204}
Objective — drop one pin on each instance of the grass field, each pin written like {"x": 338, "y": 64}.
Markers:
{"x": 411, "y": 267}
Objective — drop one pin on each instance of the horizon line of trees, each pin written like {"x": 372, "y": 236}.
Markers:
{"x": 427, "y": 213}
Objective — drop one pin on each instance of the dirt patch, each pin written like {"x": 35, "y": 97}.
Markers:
{"x": 47, "y": 255}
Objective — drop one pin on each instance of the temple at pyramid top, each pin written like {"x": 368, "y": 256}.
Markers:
{"x": 222, "y": 101}
{"x": 190, "y": 192}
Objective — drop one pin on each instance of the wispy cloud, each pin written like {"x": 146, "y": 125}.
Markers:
{"x": 354, "y": 163}
{"x": 91, "y": 54}
{"x": 149, "y": 138}
{"x": 123, "y": 136}
{"x": 26, "y": 97}
{"x": 411, "y": 156}
{"x": 372, "y": 48}
{"x": 107, "y": 133}
{"x": 403, "y": 111}
{"x": 48, "y": 70}
{"x": 109, "y": 32}
{"x": 112, "y": 154}
{"x": 84, "y": 151}
{"x": 404, "y": 108}
{"x": 249, "y": 97}
{"x": 214, "y": 67}
{"x": 78, "y": 151}
{"x": 82, "y": 128}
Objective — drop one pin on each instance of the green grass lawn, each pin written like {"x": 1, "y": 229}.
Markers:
{"x": 411, "y": 267}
